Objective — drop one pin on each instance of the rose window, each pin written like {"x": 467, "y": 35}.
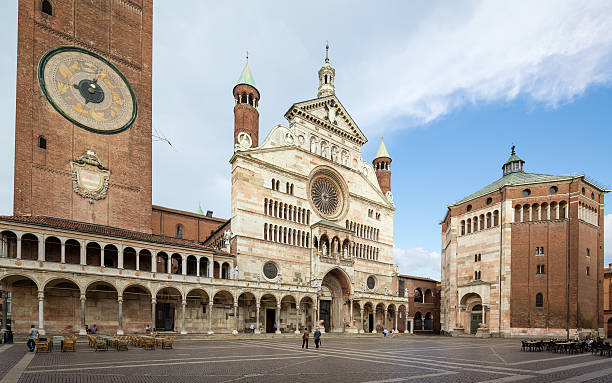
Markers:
{"x": 325, "y": 195}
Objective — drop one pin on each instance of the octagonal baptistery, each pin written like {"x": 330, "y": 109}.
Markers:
{"x": 308, "y": 210}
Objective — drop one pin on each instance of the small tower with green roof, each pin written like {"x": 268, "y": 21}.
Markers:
{"x": 246, "y": 116}
{"x": 382, "y": 166}
{"x": 514, "y": 164}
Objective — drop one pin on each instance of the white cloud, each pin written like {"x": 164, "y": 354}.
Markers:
{"x": 550, "y": 51}
{"x": 418, "y": 261}
{"x": 608, "y": 239}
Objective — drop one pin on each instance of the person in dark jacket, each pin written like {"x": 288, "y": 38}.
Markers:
{"x": 305, "y": 336}
{"x": 317, "y": 338}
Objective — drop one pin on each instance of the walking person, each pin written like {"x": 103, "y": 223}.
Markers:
{"x": 317, "y": 338}
{"x": 32, "y": 334}
{"x": 305, "y": 336}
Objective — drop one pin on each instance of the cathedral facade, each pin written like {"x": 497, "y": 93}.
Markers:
{"x": 309, "y": 242}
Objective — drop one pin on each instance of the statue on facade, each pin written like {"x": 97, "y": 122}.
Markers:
{"x": 345, "y": 252}
{"x": 386, "y": 290}
{"x": 325, "y": 249}
{"x": 236, "y": 272}
{"x": 406, "y": 292}
{"x": 227, "y": 236}
{"x": 279, "y": 278}
{"x": 258, "y": 278}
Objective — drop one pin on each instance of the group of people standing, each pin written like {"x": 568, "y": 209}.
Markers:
{"x": 306, "y": 335}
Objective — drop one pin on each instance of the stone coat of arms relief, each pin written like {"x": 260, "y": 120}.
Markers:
{"x": 89, "y": 177}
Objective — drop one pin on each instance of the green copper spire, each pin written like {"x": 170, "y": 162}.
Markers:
{"x": 246, "y": 77}
{"x": 382, "y": 150}
{"x": 199, "y": 211}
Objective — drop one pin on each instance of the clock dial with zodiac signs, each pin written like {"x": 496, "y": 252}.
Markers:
{"x": 87, "y": 90}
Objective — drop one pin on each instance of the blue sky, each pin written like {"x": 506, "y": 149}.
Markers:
{"x": 450, "y": 85}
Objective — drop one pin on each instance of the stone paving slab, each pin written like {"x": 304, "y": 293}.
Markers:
{"x": 374, "y": 359}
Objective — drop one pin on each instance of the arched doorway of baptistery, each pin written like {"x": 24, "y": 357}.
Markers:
{"x": 335, "y": 291}
{"x": 473, "y": 315}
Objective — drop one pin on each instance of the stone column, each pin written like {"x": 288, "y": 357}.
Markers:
{"x": 406, "y": 321}
{"x": 211, "y": 268}
{"x": 184, "y": 303}
{"x": 41, "y": 310}
{"x": 257, "y": 323}
{"x": 19, "y": 247}
{"x": 184, "y": 264}
{"x": 153, "y": 302}
{"x": 198, "y": 266}
{"x": 120, "y": 257}
{"x": 412, "y": 325}
{"x": 362, "y": 325}
{"x": 83, "y": 253}
{"x": 297, "y": 318}
{"x": 120, "y": 326}
{"x": 235, "y": 330}
{"x": 101, "y": 256}
{"x": 210, "y": 316}
{"x": 4, "y": 309}
{"x": 277, "y": 318}
{"x": 396, "y": 320}
{"x": 41, "y": 249}
{"x": 63, "y": 253}
{"x": 351, "y": 312}
{"x": 153, "y": 265}
{"x": 169, "y": 267}
{"x": 82, "y": 330}
{"x": 137, "y": 261}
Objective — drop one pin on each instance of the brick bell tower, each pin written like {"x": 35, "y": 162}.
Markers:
{"x": 246, "y": 116}
{"x": 382, "y": 166}
{"x": 83, "y": 111}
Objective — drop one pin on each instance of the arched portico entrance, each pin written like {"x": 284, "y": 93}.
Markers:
{"x": 336, "y": 289}
{"x": 473, "y": 314}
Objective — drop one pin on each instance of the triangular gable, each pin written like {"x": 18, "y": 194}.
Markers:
{"x": 316, "y": 111}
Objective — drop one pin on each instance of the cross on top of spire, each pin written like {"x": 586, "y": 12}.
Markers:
{"x": 326, "y": 51}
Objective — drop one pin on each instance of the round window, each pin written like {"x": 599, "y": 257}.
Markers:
{"x": 327, "y": 195}
{"x": 489, "y": 200}
{"x": 371, "y": 282}
{"x": 553, "y": 189}
{"x": 468, "y": 208}
{"x": 526, "y": 192}
{"x": 270, "y": 270}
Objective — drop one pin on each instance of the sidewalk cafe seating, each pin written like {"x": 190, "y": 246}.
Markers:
{"x": 122, "y": 344}
{"x": 100, "y": 345}
{"x": 42, "y": 344}
{"x": 149, "y": 343}
{"x": 69, "y": 344}
{"x": 168, "y": 342}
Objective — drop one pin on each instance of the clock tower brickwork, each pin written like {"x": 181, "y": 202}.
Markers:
{"x": 45, "y": 142}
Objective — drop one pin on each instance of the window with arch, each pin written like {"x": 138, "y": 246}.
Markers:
{"x": 539, "y": 300}
{"x": 42, "y": 142}
{"x": 588, "y": 252}
{"x": 540, "y": 269}
{"x": 588, "y": 271}
{"x": 179, "y": 231}
{"x": 47, "y": 8}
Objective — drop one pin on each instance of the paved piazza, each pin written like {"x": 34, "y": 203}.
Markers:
{"x": 364, "y": 359}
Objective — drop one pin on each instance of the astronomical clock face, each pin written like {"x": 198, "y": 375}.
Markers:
{"x": 87, "y": 90}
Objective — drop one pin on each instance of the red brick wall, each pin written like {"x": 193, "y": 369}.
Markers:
{"x": 196, "y": 227}
{"x": 120, "y": 31}
{"x": 246, "y": 117}
{"x": 383, "y": 176}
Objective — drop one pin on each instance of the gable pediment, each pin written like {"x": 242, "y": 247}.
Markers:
{"x": 328, "y": 113}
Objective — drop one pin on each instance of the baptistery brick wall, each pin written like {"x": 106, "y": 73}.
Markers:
{"x": 121, "y": 32}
